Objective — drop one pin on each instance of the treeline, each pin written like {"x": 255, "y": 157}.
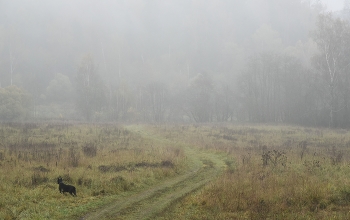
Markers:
{"x": 219, "y": 62}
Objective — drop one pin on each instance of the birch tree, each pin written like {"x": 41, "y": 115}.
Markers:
{"x": 333, "y": 38}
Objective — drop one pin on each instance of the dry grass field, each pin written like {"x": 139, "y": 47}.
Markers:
{"x": 273, "y": 172}
{"x": 101, "y": 161}
{"x": 174, "y": 171}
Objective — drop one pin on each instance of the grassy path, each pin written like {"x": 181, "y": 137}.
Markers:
{"x": 203, "y": 168}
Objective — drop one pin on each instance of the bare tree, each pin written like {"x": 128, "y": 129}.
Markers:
{"x": 90, "y": 89}
{"x": 333, "y": 38}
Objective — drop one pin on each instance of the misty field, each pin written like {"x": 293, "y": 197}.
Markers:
{"x": 255, "y": 171}
{"x": 100, "y": 161}
{"x": 273, "y": 172}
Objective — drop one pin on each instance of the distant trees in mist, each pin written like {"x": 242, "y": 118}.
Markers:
{"x": 175, "y": 61}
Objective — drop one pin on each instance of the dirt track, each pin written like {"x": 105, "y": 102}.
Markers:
{"x": 148, "y": 203}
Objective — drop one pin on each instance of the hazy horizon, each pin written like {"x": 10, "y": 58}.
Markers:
{"x": 174, "y": 60}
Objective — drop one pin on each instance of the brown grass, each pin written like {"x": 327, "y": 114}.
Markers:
{"x": 33, "y": 156}
{"x": 273, "y": 172}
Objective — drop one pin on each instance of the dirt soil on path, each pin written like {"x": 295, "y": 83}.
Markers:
{"x": 204, "y": 167}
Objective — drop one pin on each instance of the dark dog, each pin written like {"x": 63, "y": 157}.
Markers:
{"x": 66, "y": 188}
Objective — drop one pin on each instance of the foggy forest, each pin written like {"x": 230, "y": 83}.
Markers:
{"x": 174, "y": 109}
{"x": 259, "y": 61}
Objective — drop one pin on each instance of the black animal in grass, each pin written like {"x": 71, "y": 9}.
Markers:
{"x": 66, "y": 188}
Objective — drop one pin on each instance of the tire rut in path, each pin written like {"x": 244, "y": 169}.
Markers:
{"x": 123, "y": 203}
{"x": 149, "y": 207}
{"x": 147, "y": 203}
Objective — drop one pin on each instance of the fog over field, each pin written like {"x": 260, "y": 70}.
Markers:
{"x": 175, "y": 61}
{"x": 175, "y": 109}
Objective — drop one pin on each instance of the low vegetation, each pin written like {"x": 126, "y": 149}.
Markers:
{"x": 101, "y": 161}
{"x": 273, "y": 172}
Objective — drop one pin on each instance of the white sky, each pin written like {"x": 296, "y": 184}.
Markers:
{"x": 334, "y": 5}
